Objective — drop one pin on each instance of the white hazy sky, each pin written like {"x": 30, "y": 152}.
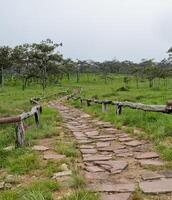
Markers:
{"x": 91, "y": 29}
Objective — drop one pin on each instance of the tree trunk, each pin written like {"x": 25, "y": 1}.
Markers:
{"x": 77, "y": 76}
{"x": 44, "y": 81}
{"x": 137, "y": 82}
{"x": 68, "y": 76}
{"x": 150, "y": 83}
{"x": 2, "y": 77}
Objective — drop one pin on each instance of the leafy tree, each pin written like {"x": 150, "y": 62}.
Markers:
{"x": 68, "y": 67}
{"x": 46, "y": 58}
{"x": 170, "y": 55}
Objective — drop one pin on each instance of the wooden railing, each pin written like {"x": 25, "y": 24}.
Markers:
{"x": 18, "y": 120}
{"x": 139, "y": 106}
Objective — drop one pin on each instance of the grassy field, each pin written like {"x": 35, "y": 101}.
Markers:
{"x": 23, "y": 171}
{"x": 155, "y": 126}
{"x": 26, "y": 166}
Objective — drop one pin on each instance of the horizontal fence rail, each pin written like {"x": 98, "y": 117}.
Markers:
{"x": 139, "y": 106}
{"x": 19, "y": 119}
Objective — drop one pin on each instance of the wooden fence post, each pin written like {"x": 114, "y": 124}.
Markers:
{"x": 20, "y": 134}
{"x": 36, "y": 114}
{"x": 104, "y": 107}
{"x": 119, "y": 109}
{"x": 88, "y": 102}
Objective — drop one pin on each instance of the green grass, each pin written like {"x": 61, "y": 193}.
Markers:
{"x": 24, "y": 161}
{"x": 82, "y": 195}
{"x": 14, "y": 101}
{"x": 34, "y": 195}
{"x": 156, "y": 126}
{"x": 77, "y": 180}
{"x": 19, "y": 161}
{"x": 67, "y": 147}
{"x": 8, "y": 195}
{"x": 39, "y": 190}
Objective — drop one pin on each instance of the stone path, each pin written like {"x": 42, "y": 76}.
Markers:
{"x": 115, "y": 165}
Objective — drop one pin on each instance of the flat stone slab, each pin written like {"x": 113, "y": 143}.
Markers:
{"x": 122, "y": 196}
{"x": 87, "y": 147}
{"x": 84, "y": 141}
{"x": 102, "y": 144}
{"x": 92, "y": 176}
{"x": 91, "y": 133}
{"x": 104, "y": 124}
{"x": 158, "y": 186}
{"x": 125, "y": 139}
{"x": 146, "y": 162}
{"x": 124, "y": 155}
{"x": 39, "y": 148}
{"x": 118, "y": 151}
{"x": 110, "y": 129}
{"x": 110, "y": 187}
{"x": 78, "y": 134}
{"x": 61, "y": 174}
{"x": 103, "y": 136}
{"x": 123, "y": 135}
{"x": 54, "y": 156}
{"x": 106, "y": 139}
{"x": 85, "y": 116}
{"x": 114, "y": 166}
{"x": 96, "y": 157}
{"x": 119, "y": 146}
{"x": 151, "y": 176}
{"x": 134, "y": 143}
{"x": 147, "y": 155}
{"x": 106, "y": 149}
{"x": 88, "y": 151}
{"x": 94, "y": 168}
{"x": 167, "y": 173}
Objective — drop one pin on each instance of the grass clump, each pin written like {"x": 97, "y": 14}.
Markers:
{"x": 166, "y": 152}
{"x": 68, "y": 148}
{"x": 34, "y": 195}
{"x": 9, "y": 195}
{"x": 82, "y": 195}
{"x": 40, "y": 190}
{"x": 77, "y": 181}
{"x": 19, "y": 161}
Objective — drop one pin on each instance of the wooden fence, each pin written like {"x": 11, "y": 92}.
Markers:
{"x": 18, "y": 120}
{"x": 119, "y": 105}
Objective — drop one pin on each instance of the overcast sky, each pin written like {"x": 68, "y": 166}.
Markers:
{"x": 91, "y": 29}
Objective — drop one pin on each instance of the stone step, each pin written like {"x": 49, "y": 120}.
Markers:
{"x": 155, "y": 187}
{"x": 122, "y": 196}
{"x": 110, "y": 187}
{"x": 96, "y": 157}
{"x": 146, "y": 162}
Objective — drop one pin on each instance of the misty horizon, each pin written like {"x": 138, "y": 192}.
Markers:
{"x": 93, "y": 30}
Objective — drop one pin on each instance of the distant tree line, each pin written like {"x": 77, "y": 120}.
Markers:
{"x": 42, "y": 63}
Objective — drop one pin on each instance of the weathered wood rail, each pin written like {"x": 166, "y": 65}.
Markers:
{"x": 19, "y": 119}
{"x": 139, "y": 106}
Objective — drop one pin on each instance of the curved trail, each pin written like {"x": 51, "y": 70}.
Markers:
{"x": 115, "y": 164}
